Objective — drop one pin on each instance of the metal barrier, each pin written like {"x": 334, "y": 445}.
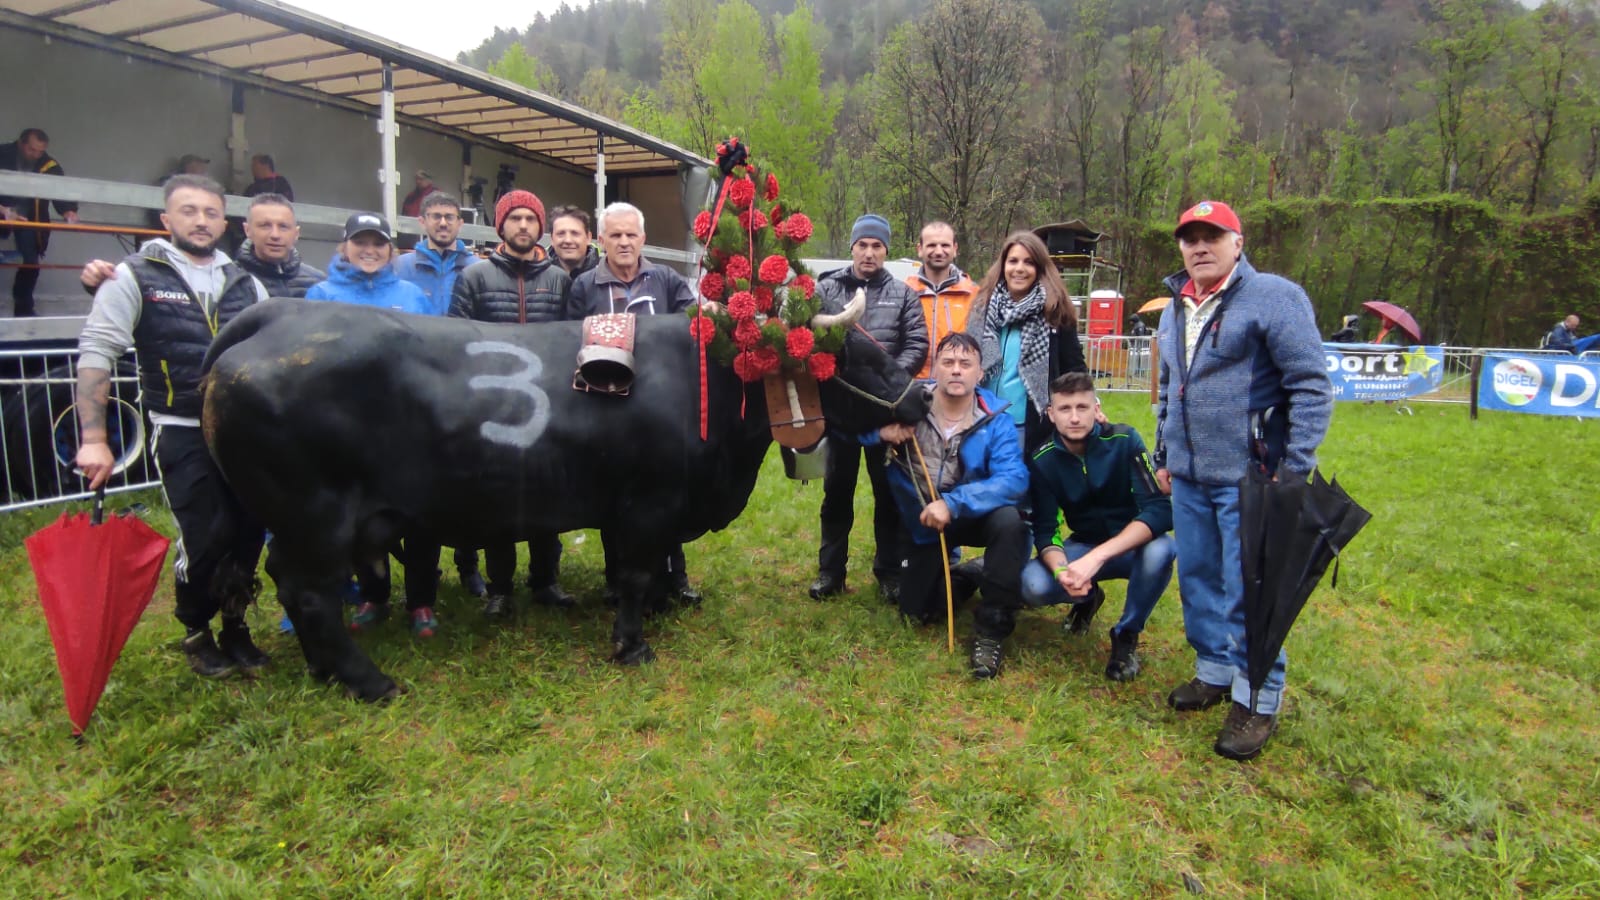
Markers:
{"x": 36, "y": 393}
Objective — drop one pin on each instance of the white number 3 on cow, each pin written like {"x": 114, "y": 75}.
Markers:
{"x": 522, "y": 381}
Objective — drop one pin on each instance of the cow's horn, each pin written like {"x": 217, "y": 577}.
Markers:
{"x": 847, "y": 317}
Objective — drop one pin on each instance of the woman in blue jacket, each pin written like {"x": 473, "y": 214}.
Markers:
{"x": 363, "y": 270}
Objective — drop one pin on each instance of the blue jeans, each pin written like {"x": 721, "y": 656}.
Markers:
{"x": 1205, "y": 521}
{"x": 1148, "y": 570}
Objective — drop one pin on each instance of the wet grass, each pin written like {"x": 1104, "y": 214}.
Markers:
{"x": 1438, "y": 738}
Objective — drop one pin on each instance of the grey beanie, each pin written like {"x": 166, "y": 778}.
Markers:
{"x": 870, "y": 225}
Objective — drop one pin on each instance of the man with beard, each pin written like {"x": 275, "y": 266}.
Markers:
{"x": 571, "y": 240}
{"x": 946, "y": 291}
{"x": 168, "y": 301}
{"x": 268, "y": 252}
{"x": 517, "y": 284}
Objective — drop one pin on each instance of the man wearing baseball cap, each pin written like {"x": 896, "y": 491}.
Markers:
{"x": 519, "y": 283}
{"x": 1242, "y": 385}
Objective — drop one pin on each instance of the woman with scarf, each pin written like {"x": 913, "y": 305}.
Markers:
{"x": 1028, "y": 329}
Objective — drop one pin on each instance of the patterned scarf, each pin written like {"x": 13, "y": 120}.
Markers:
{"x": 1028, "y": 314}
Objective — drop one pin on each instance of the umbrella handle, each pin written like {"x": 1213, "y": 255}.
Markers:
{"x": 98, "y": 516}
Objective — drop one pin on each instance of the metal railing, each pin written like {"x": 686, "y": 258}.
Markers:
{"x": 38, "y": 428}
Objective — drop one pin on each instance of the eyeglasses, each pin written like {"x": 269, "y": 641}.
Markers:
{"x": 442, "y": 217}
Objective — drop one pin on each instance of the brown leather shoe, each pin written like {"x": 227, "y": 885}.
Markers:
{"x": 1195, "y": 694}
{"x": 1244, "y": 733}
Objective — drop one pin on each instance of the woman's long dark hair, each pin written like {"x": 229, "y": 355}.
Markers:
{"x": 1059, "y": 312}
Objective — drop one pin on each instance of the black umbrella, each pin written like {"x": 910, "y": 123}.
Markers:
{"x": 1288, "y": 534}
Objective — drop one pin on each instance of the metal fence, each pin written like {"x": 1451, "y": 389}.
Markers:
{"x": 38, "y": 428}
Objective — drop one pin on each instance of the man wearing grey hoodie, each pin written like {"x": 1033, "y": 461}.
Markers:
{"x": 167, "y": 302}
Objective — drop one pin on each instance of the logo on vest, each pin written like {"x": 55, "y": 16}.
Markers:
{"x": 161, "y": 296}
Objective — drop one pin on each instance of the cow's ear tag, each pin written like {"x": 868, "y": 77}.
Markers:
{"x": 794, "y": 407}
{"x": 605, "y": 359}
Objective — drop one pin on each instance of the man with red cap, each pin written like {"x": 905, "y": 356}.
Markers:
{"x": 1242, "y": 385}
{"x": 519, "y": 283}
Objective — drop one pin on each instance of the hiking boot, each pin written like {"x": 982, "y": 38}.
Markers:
{"x": 1195, "y": 694}
{"x": 986, "y": 653}
{"x": 1244, "y": 733}
{"x": 826, "y": 586}
{"x": 472, "y": 582}
{"x": 368, "y": 616}
{"x": 552, "y": 595}
{"x": 1124, "y": 662}
{"x": 423, "y": 623}
{"x": 234, "y": 641}
{"x": 1082, "y": 615}
{"x": 205, "y": 658}
{"x": 497, "y": 606}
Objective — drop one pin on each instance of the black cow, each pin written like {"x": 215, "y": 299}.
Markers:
{"x": 344, "y": 428}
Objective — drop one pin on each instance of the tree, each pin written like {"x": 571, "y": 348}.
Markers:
{"x": 1463, "y": 43}
{"x": 1549, "y": 44}
{"x": 515, "y": 65}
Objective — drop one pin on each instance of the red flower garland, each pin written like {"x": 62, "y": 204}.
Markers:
{"x": 742, "y": 306}
{"x": 774, "y": 269}
{"x": 703, "y": 328}
{"x": 747, "y": 334}
{"x": 741, "y": 192}
{"x": 744, "y": 366}
{"x": 806, "y": 285}
{"x": 823, "y": 366}
{"x": 702, "y": 227}
{"x": 763, "y": 297}
{"x": 800, "y": 342}
{"x": 752, "y": 220}
{"x": 737, "y": 268}
{"x": 797, "y": 228}
{"x": 772, "y": 187}
{"x": 712, "y": 286}
{"x": 767, "y": 359}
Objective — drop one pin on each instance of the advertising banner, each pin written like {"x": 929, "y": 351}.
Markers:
{"x": 1542, "y": 385}
{"x": 1383, "y": 372}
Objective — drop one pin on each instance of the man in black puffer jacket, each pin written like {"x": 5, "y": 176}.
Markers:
{"x": 895, "y": 320}
{"x": 517, "y": 284}
{"x": 268, "y": 252}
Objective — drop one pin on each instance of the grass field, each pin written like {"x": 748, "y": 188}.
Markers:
{"x": 1439, "y": 738}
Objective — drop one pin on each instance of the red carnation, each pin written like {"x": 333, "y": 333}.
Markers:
{"x": 702, "y": 328}
{"x": 797, "y": 228}
{"x": 774, "y": 269}
{"x": 807, "y": 285}
{"x": 775, "y": 214}
{"x": 741, "y": 192}
{"x": 752, "y": 219}
{"x": 738, "y": 268}
{"x": 745, "y": 366}
{"x": 800, "y": 342}
{"x": 742, "y": 306}
{"x": 763, "y": 297}
{"x": 712, "y": 286}
{"x": 702, "y": 227}
{"x": 766, "y": 359}
{"x": 772, "y": 187}
{"x": 822, "y": 366}
{"x": 747, "y": 334}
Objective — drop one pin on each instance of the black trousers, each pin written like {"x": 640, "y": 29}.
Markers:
{"x": 839, "y": 512}
{"x": 1004, "y": 537}
{"x": 27, "y": 279}
{"x": 219, "y": 544}
{"x": 544, "y": 564}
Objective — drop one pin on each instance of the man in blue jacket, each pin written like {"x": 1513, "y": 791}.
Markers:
{"x": 436, "y": 262}
{"x": 1094, "y": 482}
{"x": 968, "y": 448}
{"x": 1242, "y": 384}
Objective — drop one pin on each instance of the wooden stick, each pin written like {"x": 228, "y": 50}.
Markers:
{"x": 944, "y": 553}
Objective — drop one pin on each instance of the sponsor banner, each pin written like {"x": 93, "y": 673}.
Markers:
{"x": 1383, "y": 372}
{"x": 1542, "y": 385}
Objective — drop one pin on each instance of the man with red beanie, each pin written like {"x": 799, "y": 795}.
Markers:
{"x": 519, "y": 283}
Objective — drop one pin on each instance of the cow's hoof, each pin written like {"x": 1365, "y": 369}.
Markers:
{"x": 383, "y": 691}
{"x": 632, "y": 656}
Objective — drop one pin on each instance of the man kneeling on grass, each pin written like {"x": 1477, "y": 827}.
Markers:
{"x": 1094, "y": 482}
{"x": 968, "y": 448}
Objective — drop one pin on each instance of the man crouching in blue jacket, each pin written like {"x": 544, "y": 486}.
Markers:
{"x": 969, "y": 451}
{"x": 1094, "y": 482}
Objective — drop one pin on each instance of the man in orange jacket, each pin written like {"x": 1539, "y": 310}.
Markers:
{"x": 946, "y": 291}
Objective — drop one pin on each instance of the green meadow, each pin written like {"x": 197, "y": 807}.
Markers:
{"x": 1439, "y": 739}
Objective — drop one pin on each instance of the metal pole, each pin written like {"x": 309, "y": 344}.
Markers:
{"x": 599, "y": 176}
{"x": 389, "y": 176}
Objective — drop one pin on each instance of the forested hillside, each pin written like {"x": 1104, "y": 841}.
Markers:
{"x": 1438, "y": 153}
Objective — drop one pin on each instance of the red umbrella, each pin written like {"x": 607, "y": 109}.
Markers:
{"x": 95, "y": 579}
{"x": 1393, "y": 317}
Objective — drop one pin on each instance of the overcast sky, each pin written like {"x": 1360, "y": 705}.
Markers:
{"x": 442, "y": 27}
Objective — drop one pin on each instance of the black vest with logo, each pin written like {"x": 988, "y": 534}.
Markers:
{"x": 174, "y": 330}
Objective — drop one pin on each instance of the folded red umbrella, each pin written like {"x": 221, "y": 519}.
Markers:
{"x": 95, "y": 579}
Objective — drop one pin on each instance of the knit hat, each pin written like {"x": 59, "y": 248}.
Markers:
{"x": 870, "y": 225}
{"x": 518, "y": 199}
{"x": 1212, "y": 213}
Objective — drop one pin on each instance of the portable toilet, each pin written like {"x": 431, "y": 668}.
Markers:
{"x": 1105, "y": 313}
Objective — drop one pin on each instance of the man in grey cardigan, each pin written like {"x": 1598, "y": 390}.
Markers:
{"x": 1242, "y": 384}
